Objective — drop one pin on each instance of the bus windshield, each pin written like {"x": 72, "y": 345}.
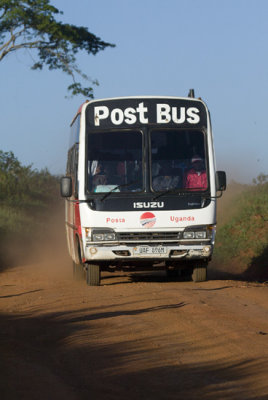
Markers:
{"x": 114, "y": 161}
{"x": 178, "y": 160}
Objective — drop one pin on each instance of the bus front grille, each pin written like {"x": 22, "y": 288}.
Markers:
{"x": 148, "y": 236}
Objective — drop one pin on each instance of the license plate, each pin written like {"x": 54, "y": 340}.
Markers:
{"x": 143, "y": 250}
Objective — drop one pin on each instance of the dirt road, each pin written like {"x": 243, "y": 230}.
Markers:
{"x": 135, "y": 337}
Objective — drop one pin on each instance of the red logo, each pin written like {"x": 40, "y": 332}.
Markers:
{"x": 147, "y": 220}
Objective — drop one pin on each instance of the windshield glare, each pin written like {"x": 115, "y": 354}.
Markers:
{"x": 115, "y": 161}
{"x": 178, "y": 160}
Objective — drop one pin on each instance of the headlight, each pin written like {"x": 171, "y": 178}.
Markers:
{"x": 109, "y": 236}
{"x": 98, "y": 237}
{"x": 103, "y": 236}
{"x": 201, "y": 235}
{"x": 196, "y": 233}
{"x": 188, "y": 235}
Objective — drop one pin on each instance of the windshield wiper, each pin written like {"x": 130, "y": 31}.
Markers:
{"x": 179, "y": 192}
{"x": 118, "y": 187}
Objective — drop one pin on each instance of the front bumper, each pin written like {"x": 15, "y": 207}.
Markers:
{"x": 128, "y": 252}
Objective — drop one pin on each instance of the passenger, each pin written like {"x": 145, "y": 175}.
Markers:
{"x": 165, "y": 180}
{"x": 99, "y": 177}
{"x": 196, "y": 177}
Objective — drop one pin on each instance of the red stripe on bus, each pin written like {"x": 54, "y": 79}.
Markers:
{"x": 77, "y": 219}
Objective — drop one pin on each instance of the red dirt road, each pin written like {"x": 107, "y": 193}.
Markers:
{"x": 138, "y": 336}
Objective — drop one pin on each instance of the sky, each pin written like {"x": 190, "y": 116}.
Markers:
{"x": 219, "y": 48}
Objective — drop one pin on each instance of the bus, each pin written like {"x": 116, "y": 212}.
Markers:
{"x": 141, "y": 186}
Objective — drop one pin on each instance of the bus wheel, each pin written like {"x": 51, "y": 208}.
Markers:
{"x": 78, "y": 271}
{"x": 172, "y": 273}
{"x": 93, "y": 275}
{"x": 199, "y": 273}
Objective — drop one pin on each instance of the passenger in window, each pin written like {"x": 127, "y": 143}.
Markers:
{"x": 155, "y": 168}
{"x": 196, "y": 177}
{"x": 121, "y": 168}
{"x": 166, "y": 180}
{"x": 99, "y": 177}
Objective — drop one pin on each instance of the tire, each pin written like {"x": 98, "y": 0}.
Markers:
{"x": 199, "y": 274}
{"x": 93, "y": 275}
{"x": 78, "y": 272}
{"x": 172, "y": 273}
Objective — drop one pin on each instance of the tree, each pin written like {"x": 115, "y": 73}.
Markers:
{"x": 261, "y": 179}
{"x": 31, "y": 25}
{"x": 24, "y": 186}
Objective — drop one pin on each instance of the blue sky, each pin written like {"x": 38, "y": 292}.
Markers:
{"x": 219, "y": 48}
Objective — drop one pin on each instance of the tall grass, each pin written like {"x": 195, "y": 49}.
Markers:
{"x": 245, "y": 236}
{"x": 15, "y": 221}
{"x": 26, "y": 198}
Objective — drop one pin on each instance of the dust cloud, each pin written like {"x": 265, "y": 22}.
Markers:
{"x": 227, "y": 205}
{"x": 50, "y": 252}
{"x": 47, "y": 247}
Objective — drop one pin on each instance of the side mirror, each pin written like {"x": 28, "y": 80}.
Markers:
{"x": 66, "y": 186}
{"x": 220, "y": 181}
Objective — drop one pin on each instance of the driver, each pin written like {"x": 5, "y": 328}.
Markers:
{"x": 99, "y": 178}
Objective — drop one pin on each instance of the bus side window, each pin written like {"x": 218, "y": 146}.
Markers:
{"x": 75, "y": 169}
{"x": 72, "y": 167}
{"x": 69, "y": 162}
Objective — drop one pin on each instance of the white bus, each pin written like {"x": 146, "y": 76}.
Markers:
{"x": 141, "y": 186}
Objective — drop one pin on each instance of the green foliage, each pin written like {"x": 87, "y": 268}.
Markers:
{"x": 24, "y": 194}
{"x": 15, "y": 221}
{"x": 22, "y": 186}
{"x": 262, "y": 178}
{"x": 245, "y": 236}
{"x": 31, "y": 24}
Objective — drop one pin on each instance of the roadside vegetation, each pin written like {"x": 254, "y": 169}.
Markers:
{"x": 26, "y": 197}
{"x": 242, "y": 239}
